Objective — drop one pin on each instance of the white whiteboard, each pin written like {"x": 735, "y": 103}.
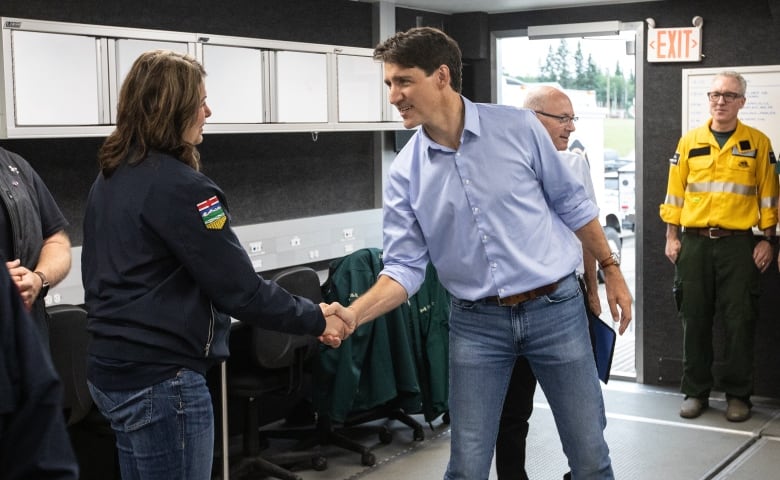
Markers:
{"x": 762, "y": 98}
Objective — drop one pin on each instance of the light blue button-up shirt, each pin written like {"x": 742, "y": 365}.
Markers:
{"x": 494, "y": 216}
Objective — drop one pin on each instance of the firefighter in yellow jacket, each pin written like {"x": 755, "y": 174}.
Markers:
{"x": 722, "y": 183}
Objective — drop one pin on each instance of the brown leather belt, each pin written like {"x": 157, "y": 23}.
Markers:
{"x": 519, "y": 298}
{"x": 716, "y": 232}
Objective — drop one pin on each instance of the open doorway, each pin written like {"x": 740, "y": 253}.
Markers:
{"x": 599, "y": 73}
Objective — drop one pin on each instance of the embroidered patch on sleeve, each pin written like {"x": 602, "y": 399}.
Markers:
{"x": 211, "y": 212}
{"x": 675, "y": 159}
{"x": 772, "y": 158}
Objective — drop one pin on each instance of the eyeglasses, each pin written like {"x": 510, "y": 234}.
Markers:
{"x": 563, "y": 119}
{"x": 728, "y": 97}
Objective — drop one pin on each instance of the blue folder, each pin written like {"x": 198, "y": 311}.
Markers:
{"x": 603, "y": 338}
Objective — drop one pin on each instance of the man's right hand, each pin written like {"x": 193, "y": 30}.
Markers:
{"x": 673, "y": 243}
{"x": 618, "y": 295}
{"x": 672, "y": 249}
{"x": 340, "y": 322}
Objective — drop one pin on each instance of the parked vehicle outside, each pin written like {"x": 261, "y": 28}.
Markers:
{"x": 612, "y": 160}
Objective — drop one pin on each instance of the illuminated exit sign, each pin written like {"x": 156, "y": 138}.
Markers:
{"x": 674, "y": 44}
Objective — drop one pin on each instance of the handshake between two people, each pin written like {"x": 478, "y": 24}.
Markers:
{"x": 340, "y": 322}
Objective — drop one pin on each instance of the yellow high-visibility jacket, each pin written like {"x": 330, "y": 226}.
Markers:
{"x": 734, "y": 187}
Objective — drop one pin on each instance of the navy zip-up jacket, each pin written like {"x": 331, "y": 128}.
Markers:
{"x": 163, "y": 271}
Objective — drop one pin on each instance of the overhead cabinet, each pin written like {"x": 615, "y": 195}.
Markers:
{"x": 230, "y": 70}
{"x": 122, "y": 53}
{"x": 63, "y": 79}
{"x": 55, "y": 79}
{"x": 301, "y": 91}
{"x": 359, "y": 100}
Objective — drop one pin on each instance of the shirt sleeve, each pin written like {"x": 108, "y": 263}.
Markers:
{"x": 671, "y": 209}
{"x": 563, "y": 188}
{"x": 405, "y": 254}
{"x": 767, "y": 187}
{"x": 52, "y": 219}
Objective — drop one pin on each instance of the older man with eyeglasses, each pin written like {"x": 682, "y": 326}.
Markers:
{"x": 556, "y": 113}
{"x": 722, "y": 183}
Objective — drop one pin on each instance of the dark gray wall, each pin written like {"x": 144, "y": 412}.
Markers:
{"x": 266, "y": 177}
{"x": 734, "y": 33}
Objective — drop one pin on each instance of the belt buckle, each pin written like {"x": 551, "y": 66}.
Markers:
{"x": 509, "y": 301}
{"x": 709, "y": 233}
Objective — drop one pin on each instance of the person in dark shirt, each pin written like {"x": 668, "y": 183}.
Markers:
{"x": 32, "y": 235}
{"x": 34, "y": 442}
{"x": 163, "y": 274}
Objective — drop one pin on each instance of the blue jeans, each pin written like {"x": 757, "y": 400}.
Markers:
{"x": 163, "y": 432}
{"x": 552, "y": 333}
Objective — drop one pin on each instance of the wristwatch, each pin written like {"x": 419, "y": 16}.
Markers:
{"x": 612, "y": 260}
{"x": 44, "y": 284}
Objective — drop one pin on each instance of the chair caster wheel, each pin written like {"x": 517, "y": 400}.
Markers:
{"x": 319, "y": 463}
{"x": 368, "y": 459}
{"x": 385, "y": 436}
{"x": 418, "y": 435}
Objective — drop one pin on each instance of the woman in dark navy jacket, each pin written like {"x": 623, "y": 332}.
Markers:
{"x": 163, "y": 272}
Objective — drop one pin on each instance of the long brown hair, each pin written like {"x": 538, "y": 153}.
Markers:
{"x": 157, "y": 103}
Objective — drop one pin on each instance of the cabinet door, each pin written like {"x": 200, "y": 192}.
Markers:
{"x": 55, "y": 79}
{"x": 301, "y": 87}
{"x": 359, "y": 89}
{"x": 127, "y": 52}
{"x": 234, "y": 84}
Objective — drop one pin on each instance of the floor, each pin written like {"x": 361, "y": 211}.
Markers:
{"x": 647, "y": 438}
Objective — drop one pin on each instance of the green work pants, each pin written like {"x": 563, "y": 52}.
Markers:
{"x": 717, "y": 279}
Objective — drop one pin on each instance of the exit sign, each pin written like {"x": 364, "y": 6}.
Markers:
{"x": 674, "y": 44}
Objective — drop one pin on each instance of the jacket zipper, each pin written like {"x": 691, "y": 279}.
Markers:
{"x": 210, "y": 339}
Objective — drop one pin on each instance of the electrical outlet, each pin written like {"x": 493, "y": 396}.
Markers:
{"x": 314, "y": 254}
{"x": 256, "y": 247}
{"x": 349, "y": 248}
{"x": 295, "y": 241}
{"x": 348, "y": 233}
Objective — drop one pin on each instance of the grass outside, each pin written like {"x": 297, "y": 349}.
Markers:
{"x": 619, "y": 135}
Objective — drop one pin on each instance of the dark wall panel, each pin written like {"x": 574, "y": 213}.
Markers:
{"x": 266, "y": 177}
{"x": 735, "y": 33}
{"x": 276, "y": 177}
{"x": 338, "y": 22}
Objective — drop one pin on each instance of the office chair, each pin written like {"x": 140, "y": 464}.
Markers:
{"x": 68, "y": 339}
{"x": 91, "y": 434}
{"x": 373, "y": 375}
{"x": 267, "y": 363}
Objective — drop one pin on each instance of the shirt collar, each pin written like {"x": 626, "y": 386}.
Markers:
{"x": 470, "y": 124}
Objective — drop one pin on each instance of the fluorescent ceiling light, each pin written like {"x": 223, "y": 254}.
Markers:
{"x": 590, "y": 29}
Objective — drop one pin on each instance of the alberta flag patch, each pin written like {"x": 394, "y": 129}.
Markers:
{"x": 211, "y": 212}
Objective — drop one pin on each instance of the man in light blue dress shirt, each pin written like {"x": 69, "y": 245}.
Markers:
{"x": 479, "y": 191}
